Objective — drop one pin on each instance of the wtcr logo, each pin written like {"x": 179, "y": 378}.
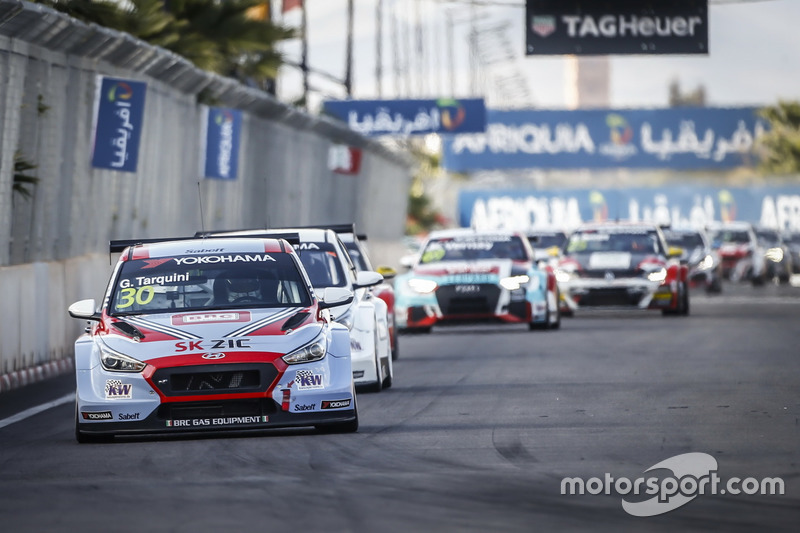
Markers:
{"x": 693, "y": 474}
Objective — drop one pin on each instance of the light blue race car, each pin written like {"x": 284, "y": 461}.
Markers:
{"x": 465, "y": 275}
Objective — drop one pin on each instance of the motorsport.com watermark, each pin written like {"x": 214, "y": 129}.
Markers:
{"x": 693, "y": 474}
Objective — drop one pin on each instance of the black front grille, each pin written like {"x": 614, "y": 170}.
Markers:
{"x": 615, "y": 274}
{"x": 610, "y": 297}
{"x": 468, "y": 300}
{"x": 215, "y": 379}
{"x": 226, "y": 408}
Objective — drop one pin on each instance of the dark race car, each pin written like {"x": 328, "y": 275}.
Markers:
{"x": 622, "y": 265}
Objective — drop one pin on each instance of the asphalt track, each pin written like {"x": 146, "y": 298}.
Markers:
{"x": 477, "y": 434}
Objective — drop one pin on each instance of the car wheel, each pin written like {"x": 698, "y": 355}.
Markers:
{"x": 684, "y": 311}
{"x": 412, "y": 331}
{"x": 351, "y": 426}
{"x": 387, "y": 381}
{"x": 395, "y": 346}
{"x": 557, "y": 323}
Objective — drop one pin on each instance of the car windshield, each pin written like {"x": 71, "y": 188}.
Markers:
{"x": 687, "y": 241}
{"x": 732, "y": 236}
{"x": 547, "y": 240}
{"x": 474, "y": 247}
{"x": 322, "y": 264}
{"x": 600, "y": 241}
{"x": 358, "y": 258}
{"x": 201, "y": 282}
{"x": 769, "y": 237}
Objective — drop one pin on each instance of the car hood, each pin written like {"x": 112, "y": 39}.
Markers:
{"x": 241, "y": 331}
{"x": 620, "y": 263}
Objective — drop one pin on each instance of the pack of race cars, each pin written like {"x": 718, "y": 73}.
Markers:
{"x": 267, "y": 328}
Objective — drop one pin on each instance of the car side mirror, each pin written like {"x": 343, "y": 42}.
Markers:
{"x": 386, "y": 272}
{"x": 333, "y": 296}
{"x": 407, "y": 261}
{"x": 367, "y": 278}
{"x": 85, "y": 309}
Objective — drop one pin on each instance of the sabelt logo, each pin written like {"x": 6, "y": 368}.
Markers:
{"x": 335, "y": 404}
{"x": 209, "y": 318}
{"x": 102, "y": 415}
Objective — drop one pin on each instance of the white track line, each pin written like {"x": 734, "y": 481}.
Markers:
{"x": 27, "y": 413}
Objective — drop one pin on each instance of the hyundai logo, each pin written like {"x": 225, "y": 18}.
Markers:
{"x": 217, "y": 355}
{"x": 609, "y": 275}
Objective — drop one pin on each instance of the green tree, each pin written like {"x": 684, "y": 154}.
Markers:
{"x": 779, "y": 148}
{"x": 230, "y": 37}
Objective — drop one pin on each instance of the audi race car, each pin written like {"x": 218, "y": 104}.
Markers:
{"x": 705, "y": 267}
{"x": 464, "y": 275}
{"x": 211, "y": 334}
{"x": 622, "y": 265}
{"x": 328, "y": 264}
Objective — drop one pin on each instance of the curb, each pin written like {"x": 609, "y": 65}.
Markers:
{"x": 28, "y": 376}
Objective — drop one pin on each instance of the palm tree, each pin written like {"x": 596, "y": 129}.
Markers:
{"x": 230, "y": 37}
{"x": 780, "y": 146}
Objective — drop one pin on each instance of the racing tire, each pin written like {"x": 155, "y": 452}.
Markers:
{"x": 684, "y": 310}
{"x": 716, "y": 286}
{"x": 395, "y": 346}
{"x": 414, "y": 331}
{"x": 351, "y": 426}
{"x": 557, "y": 323}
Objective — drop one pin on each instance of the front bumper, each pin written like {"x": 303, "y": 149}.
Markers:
{"x": 632, "y": 293}
{"x": 302, "y": 395}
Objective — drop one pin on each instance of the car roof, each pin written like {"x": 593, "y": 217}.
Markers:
{"x": 617, "y": 226}
{"x": 466, "y": 232}
{"x": 209, "y": 246}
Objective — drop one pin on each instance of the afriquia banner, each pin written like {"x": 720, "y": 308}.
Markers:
{"x": 410, "y": 117}
{"x": 675, "y": 138}
{"x": 118, "y": 123}
{"x": 680, "y": 205}
{"x": 221, "y": 138}
{"x": 581, "y": 27}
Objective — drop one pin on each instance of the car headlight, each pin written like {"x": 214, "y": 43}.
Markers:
{"x": 706, "y": 264}
{"x": 313, "y": 351}
{"x": 119, "y": 362}
{"x": 775, "y": 255}
{"x": 562, "y": 276}
{"x": 513, "y": 283}
{"x": 658, "y": 275}
{"x": 422, "y": 286}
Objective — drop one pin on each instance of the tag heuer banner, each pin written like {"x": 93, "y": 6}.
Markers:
{"x": 596, "y": 27}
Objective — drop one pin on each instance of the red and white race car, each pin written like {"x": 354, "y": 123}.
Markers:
{"x": 622, "y": 265}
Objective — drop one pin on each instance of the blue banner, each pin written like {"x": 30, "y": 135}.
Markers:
{"x": 223, "y": 132}
{"x": 682, "y": 205}
{"x": 676, "y": 138}
{"x": 410, "y": 117}
{"x": 120, "y": 107}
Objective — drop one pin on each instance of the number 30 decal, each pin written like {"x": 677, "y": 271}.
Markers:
{"x": 142, "y": 296}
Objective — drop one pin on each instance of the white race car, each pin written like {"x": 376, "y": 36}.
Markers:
{"x": 211, "y": 334}
{"x": 328, "y": 264}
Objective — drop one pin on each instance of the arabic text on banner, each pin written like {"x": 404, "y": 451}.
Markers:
{"x": 677, "y": 138}
{"x": 118, "y": 127}
{"x": 222, "y": 139}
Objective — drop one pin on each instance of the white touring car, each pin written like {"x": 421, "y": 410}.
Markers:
{"x": 329, "y": 265}
{"x": 212, "y": 334}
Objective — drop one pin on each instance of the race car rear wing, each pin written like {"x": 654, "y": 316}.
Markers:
{"x": 117, "y": 246}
